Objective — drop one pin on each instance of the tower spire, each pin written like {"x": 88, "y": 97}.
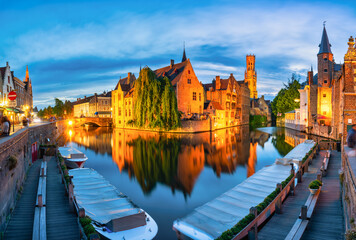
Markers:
{"x": 324, "y": 46}
{"x": 27, "y": 74}
{"x": 184, "y": 58}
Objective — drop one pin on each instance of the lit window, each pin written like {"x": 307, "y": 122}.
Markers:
{"x": 199, "y": 96}
{"x": 194, "y": 96}
{"x": 324, "y": 95}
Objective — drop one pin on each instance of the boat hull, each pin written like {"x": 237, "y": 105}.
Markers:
{"x": 148, "y": 231}
{"x": 74, "y": 164}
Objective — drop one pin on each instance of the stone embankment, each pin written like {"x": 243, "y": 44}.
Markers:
{"x": 17, "y": 153}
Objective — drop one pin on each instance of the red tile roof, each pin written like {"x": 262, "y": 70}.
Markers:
{"x": 216, "y": 105}
{"x": 173, "y": 73}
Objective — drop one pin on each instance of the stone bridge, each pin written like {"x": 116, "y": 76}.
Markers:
{"x": 92, "y": 121}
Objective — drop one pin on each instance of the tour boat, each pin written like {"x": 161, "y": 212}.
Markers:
{"x": 73, "y": 158}
{"x": 113, "y": 214}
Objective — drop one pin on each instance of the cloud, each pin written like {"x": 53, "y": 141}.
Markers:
{"x": 217, "y": 40}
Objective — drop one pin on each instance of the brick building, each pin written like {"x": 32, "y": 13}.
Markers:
{"x": 93, "y": 106}
{"x": 262, "y": 107}
{"x": 251, "y": 75}
{"x": 122, "y": 100}
{"x": 228, "y": 100}
{"x": 189, "y": 91}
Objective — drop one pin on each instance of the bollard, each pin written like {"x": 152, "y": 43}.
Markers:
{"x": 299, "y": 176}
{"x": 278, "y": 205}
{"x": 318, "y": 177}
{"x": 40, "y": 202}
{"x": 70, "y": 196}
{"x": 81, "y": 212}
{"x": 292, "y": 172}
{"x": 303, "y": 212}
{"x": 252, "y": 234}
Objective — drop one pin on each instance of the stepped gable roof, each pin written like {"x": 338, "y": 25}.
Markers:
{"x": 324, "y": 46}
{"x": 216, "y": 105}
{"x": 130, "y": 93}
{"x": 173, "y": 73}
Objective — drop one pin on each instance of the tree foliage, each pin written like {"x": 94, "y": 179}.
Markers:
{"x": 60, "y": 109}
{"x": 285, "y": 99}
{"x": 155, "y": 102}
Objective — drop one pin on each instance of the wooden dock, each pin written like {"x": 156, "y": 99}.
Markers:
{"x": 279, "y": 225}
{"x": 327, "y": 221}
{"x": 21, "y": 223}
{"x": 61, "y": 221}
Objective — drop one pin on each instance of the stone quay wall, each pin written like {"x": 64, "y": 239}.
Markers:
{"x": 15, "y": 160}
{"x": 349, "y": 187}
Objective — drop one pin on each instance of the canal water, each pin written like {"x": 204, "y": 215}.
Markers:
{"x": 168, "y": 175}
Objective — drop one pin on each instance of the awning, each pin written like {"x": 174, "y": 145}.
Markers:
{"x": 15, "y": 110}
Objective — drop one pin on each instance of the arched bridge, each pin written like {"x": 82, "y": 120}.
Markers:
{"x": 91, "y": 121}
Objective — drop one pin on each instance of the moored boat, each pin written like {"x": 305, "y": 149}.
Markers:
{"x": 73, "y": 158}
{"x": 113, "y": 214}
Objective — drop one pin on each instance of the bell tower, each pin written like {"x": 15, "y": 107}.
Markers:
{"x": 251, "y": 75}
{"x": 325, "y": 61}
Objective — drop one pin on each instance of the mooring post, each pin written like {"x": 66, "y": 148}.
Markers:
{"x": 252, "y": 234}
{"x": 81, "y": 212}
{"x": 318, "y": 177}
{"x": 292, "y": 172}
{"x": 40, "y": 202}
{"x": 70, "y": 196}
{"x": 304, "y": 211}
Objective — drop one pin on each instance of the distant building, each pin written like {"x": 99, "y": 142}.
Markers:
{"x": 251, "y": 75}
{"x": 122, "y": 101}
{"x": 93, "y": 106}
{"x": 23, "y": 89}
{"x": 227, "y": 101}
{"x": 262, "y": 107}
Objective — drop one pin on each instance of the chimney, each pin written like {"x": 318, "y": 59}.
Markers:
{"x": 128, "y": 76}
{"x": 172, "y": 63}
{"x": 218, "y": 83}
{"x": 310, "y": 77}
{"x": 85, "y": 97}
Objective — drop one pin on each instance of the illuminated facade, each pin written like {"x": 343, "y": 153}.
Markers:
{"x": 93, "y": 106}
{"x": 251, "y": 75}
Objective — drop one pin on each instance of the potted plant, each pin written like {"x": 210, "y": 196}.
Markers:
{"x": 314, "y": 186}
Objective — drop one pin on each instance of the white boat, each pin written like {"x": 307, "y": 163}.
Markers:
{"x": 113, "y": 214}
{"x": 73, "y": 158}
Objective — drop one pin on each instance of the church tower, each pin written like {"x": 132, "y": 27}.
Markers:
{"x": 251, "y": 75}
{"x": 325, "y": 75}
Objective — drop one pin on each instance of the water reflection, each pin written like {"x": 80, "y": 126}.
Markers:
{"x": 176, "y": 160}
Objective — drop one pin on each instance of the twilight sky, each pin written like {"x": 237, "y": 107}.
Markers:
{"x": 77, "y": 47}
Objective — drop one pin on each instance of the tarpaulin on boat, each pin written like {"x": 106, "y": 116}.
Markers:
{"x": 103, "y": 202}
{"x": 215, "y": 217}
{"x": 68, "y": 152}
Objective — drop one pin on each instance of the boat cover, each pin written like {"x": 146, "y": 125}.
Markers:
{"x": 101, "y": 200}
{"x": 215, "y": 217}
{"x": 68, "y": 152}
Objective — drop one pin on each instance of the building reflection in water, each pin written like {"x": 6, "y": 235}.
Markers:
{"x": 177, "y": 160}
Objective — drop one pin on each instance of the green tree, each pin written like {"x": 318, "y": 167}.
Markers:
{"x": 155, "y": 102}
{"x": 58, "y": 108}
{"x": 285, "y": 99}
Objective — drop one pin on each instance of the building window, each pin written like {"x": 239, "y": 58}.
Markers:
{"x": 188, "y": 71}
{"x": 226, "y": 115}
{"x": 200, "y": 111}
{"x": 194, "y": 96}
{"x": 324, "y": 113}
{"x": 189, "y": 81}
{"x": 211, "y": 107}
{"x": 126, "y": 112}
{"x": 325, "y": 70}
{"x": 325, "y": 59}
{"x": 119, "y": 121}
{"x": 325, "y": 81}
{"x": 232, "y": 114}
{"x": 200, "y": 97}
{"x": 8, "y": 79}
{"x": 324, "y": 95}
{"x": 129, "y": 112}
{"x": 227, "y": 105}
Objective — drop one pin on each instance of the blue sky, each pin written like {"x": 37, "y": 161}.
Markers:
{"x": 76, "y": 48}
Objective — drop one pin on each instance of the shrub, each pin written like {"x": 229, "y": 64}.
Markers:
{"x": 11, "y": 162}
{"x": 89, "y": 229}
{"x": 84, "y": 221}
{"x": 351, "y": 234}
{"x": 315, "y": 184}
